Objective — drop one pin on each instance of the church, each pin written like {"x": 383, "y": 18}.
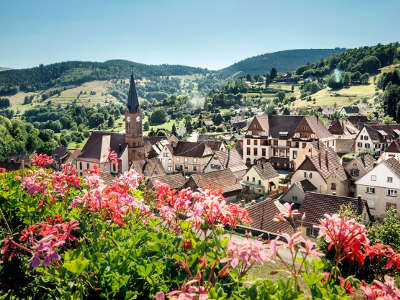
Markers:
{"x": 129, "y": 146}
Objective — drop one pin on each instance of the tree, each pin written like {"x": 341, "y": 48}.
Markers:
{"x": 335, "y": 83}
{"x": 95, "y": 119}
{"x": 386, "y": 232}
{"x": 267, "y": 80}
{"x": 355, "y": 77}
{"x": 370, "y": 64}
{"x": 174, "y": 129}
{"x": 391, "y": 97}
{"x": 159, "y": 116}
{"x": 218, "y": 119}
{"x": 273, "y": 73}
{"x": 188, "y": 126}
{"x": 4, "y": 103}
{"x": 280, "y": 95}
{"x": 146, "y": 126}
{"x": 346, "y": 79}
{"x": 110, "y": 122}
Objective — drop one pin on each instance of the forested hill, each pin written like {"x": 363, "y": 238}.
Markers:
{"x": 78, "y": 72}
{"x": 283, "y": 61}
{"x": 363, "y": 60}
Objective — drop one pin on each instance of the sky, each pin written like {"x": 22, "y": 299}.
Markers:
{"x": 210, "y": 33}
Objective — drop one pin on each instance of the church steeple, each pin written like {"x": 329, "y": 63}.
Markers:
{"x": 133, "y": 102}
{"x": 133, "y": 126}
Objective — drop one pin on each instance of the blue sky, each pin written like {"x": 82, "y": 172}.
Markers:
{"x": 212, "y": 34}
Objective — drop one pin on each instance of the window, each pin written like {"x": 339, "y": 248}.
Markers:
{"x": 370, "y": 190}
{"x": 248, "y": 151}
{"x": 195, "y": 168}
{"x": 87, "y": 166}
{"x": 305, "y": 174}
{"x": 294, "y": 154}
{"x": 248, "y": 142}
{"x": 288, "y": 143}
{"x": 310, "y": 175}
{"x": 312, "y": 232}
{"x": 259, "y": 182}
{"x": 390, "y": 179}
{"x": 333, "y": 186}
{"x": 304, "y": 145}
{"x": 255, "y": 142}
{"x": 392, "y": 192}
{"x": 355, "y": 172}
{"x": 80, "y": 165}
{"x": 359, "y": 144}
{"x": 166, "y": 154}
{"x": 254, "y": 179}
{"x": 248, "y": 179}
{"x": 264, "y": 153}
{"x": 367, "y": 146}
{"x": 294, "y": 198}
{"x": 255, "y": 151}
{"x": 373, "y": 177}
{"x": 169, "y": 168}
{"x": 275, "y": 142}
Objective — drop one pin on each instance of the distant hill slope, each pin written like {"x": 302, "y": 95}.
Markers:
{"x": 78, "y": 72}
{"x": 4, "y": 69}
{"x": 283, "y": 61}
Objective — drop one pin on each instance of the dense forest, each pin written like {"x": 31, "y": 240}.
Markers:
{"x": 354, "y": 66}
{"x": 78, "y": 72}
{"x": 283, "y": 61}
{"x": 21, "y": 137}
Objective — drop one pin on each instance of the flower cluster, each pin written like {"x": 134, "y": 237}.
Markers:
{"x": 381, "y": 290}
{"x": 203, "y": 208}
{"x": 41, "y": 240}
{"x": 114, "y": 201}
{"x": 42, "y": 159}
{"x": 347, "y": 237}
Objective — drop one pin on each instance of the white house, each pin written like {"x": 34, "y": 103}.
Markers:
{"x": 376, "y": 137}
{"x": 381, "y": 186}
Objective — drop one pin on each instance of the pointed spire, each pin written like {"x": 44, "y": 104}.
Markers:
{"x": 133, "y": 102}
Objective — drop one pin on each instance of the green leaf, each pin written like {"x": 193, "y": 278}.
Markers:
{"x": 76, "y": 266}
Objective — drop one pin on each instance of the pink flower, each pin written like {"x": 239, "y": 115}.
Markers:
{"x": 381, "y": 291}
{"x": 160, "y": 296}
{"x": 309, "y": 249}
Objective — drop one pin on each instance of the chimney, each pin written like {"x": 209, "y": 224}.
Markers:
{"x": 229, "y": 157}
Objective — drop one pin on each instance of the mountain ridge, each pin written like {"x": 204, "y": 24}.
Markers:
{"x": 283, "y": 61}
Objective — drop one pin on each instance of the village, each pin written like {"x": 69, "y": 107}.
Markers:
{"x": 318, "y": 165}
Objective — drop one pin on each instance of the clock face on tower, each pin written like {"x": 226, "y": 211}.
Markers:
{"x": 137, "y": 119}
{"x": 138, "y": 125}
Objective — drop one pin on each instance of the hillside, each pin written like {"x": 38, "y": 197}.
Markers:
{"x": 283, "y": 61}
{"x": 78, "y": 72}
{"x": 4, "y": 69}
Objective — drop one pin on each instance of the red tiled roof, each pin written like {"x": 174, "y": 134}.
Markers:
{"x": 223, "y": 179}
{"x": 175, "y": 181}
{"x": 263, "y": 214}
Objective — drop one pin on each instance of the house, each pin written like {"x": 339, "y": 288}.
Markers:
{"x": 357, "y": 168}
{"x": 163, "y": 150}
{"x": 261, "y": 179}
{"x": 316, "y": 205}
{"x": 60, "y": 156}
{"x": 376, "y": 138}
{"x": 148, "y": 167}
{"x": 191, "y": 157}
{"x": 325, "y": 172}
{"x": 295, "y": 193}
{"x": 151, "y": 141}
{"x": 175, "y": 181}
{"x": 280, "y": 138}
{"x": 345, "y": 133}
{"x": 263, "y": 214}
{"x": 96, "y": 150}
{"x": 311, "y": 149}
{"x": 381, "y": 187}
{"x": 223, "y": 180}
{"x": 215, "y": 145}
{"x": 358, "y": 121}
{"x": 207, "y": 123}
{"x": 393, "y": 150}
{"x": 349, "y": 111}
{"x": 227, "y": 159}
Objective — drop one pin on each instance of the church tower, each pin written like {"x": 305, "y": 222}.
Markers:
{"x": 133, "y": 125}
